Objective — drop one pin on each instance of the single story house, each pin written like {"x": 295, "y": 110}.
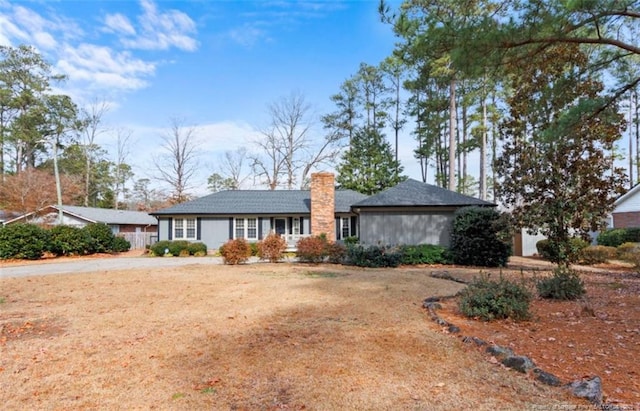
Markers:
{"x": 626, "y": 212}
{"x": 136, "y": 226}
{"x": 410, "y": 213}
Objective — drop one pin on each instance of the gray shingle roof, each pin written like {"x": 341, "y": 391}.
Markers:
{"x": 259, "y": 202}
{"x": 110, "y": 216}
{"x": 413, "y": 193}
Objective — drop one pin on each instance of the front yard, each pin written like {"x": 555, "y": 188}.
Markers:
{"x": 261, "y": 336}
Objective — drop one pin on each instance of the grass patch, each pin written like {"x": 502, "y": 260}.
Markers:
{"x": 208, "y": 390}
{"x": 2, "y": 300}
{"x": 177, "y": 395}
{"x": 320, "y": 274}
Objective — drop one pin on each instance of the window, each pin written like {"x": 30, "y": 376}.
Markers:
{"x": 184, "y": 228}
{"x": 246, "y": 228}
{"x": 345, "y": 227}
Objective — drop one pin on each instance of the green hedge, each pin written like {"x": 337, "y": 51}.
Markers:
{"x": 177, "y": 248}
{"x": 551, "y": 251}
{"x": 68, "y": 240}
{"x": 615, "y": 237}
{"x": 374, "y": 256}
{"x": 481, "y": 236}
{"x": 23, "y": 241}
{"x": 425, "y": 254}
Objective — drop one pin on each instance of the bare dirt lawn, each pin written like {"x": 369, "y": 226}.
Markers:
{"x": 260, "y": 336}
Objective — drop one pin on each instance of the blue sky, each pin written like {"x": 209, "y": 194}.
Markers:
{"x": 215, "y": 64}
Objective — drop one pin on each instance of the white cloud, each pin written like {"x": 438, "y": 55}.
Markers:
{"x": 248, "y": 35}
{"x": 117, "y": 23}
{"x": 102, "y": 68}
{"x": 159, "y": 30}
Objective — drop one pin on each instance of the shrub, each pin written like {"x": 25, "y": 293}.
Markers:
{"x": 612, "y": 238}
{"x": 337, "y": 253}
{"x": 121, "y": 245}
{"x": 69, "y": 240}
{"x": 374, "y": 256}
{"x": 425, "y": 254}
{"x": 199, "y": 249}
{"x": 480, "y": 236}
{"x": 565, "y": 284}
{"x": 102, "y": 238}
{"x": 352, "y": 240}
{"x": 272, "y": 248}
{"x": 177, "y": 248}
{"x": 254, "y": 249}
{"x": 554, "y": 252}
{"x": 633, "y": 257}
{"x": 626, "y": 248}
{"x": 490, "y": 300}
{"x": 23, "y": 241}
{"x": 158, "y": 249}
{"x": 597, "y": 254}
{"x": 312, "y": 249}
{"x": 235, "y": 251}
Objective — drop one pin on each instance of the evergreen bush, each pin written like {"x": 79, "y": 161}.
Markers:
{"x": 67, "y": 240}
{"x": 374, "y": 256}
{"x": 552, "y": 251}
{"x": 121, "y": 245}
{"x": 564, "y": 284}
{"x": 612, "y": 238}
{"x": 102, "y": 238}
{"x": 158, "y": 249}
{"x": 272, "y": 248}
{"x": 491, "y": 300}
{"x": 199, "y": 249}
{"x": 425, "y": 254}
{"x": 481, "y": 236}
{"x": 23, "y": 241}
{"x": 337, "y": 253}
{"x": 235, "y": 251}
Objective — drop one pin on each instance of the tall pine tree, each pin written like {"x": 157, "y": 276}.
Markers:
{"x": 368, "y": 166}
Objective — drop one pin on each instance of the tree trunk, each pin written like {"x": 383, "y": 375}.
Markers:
{"x": 452, "y": 135}
{"x": 483, "y": 151}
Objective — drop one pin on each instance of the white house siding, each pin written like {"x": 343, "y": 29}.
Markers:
{"x": 405, "y": 227}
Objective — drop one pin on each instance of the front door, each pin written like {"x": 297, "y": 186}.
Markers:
{"x": 281, "y": 226}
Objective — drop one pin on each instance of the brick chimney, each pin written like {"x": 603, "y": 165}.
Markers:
{"x": 323, "y": 196}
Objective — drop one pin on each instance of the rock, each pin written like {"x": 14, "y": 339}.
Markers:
{"x": 589, "y": 388}
{"x": 453, "y": 329}
{"x": 475, "y": 340}
{"x": 499, "y": 352}
{"x": 518, "y": 363}
{"x": 546, "y": 378}
{"x": 430, "y": 300}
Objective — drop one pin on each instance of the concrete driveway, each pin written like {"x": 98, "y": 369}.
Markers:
{"x": 102, "y": 264}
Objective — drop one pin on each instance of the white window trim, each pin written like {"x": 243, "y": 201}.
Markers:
{"x": 245, "y": 228}
{"x": 184, "y": 228}
{"x": 296, "y": 226}
{"x": 342, "y": 227}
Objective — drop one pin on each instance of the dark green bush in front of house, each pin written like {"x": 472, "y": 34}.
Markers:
{"x": 121, "y": 245}
{"x": 425, "y": 254}
{"x": 564, "y": 284}
{"x": 373, "y": 256}
{"x": 481, "y": 236}
{"x": 615, "y": 237}
{"x": 493, "y": 300}
{"x": 68, "y": 240}
{"x": 158, "y": 249}
{"x": 102, "y": 238}
{"x": 178, "y": 247}
{"x": 23, "y": 241}
{"x": 552, "y": 251}
{"x": 197, "y": 249}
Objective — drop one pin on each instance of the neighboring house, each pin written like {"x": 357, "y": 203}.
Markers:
{"x": 524, "y": 244}
{"x": 412, "y": 212}
{"x": 409, "y": 213}
{"x": 626, "y": 212}
{"x": 136, "y": 226}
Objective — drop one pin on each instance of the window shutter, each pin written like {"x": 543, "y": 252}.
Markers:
{"x": 301, "y": 225}
{"x": 354, "y": 223}
{"x": 338, "y": 228}
{"x": 290, "y": 225}
{"x": 230, "y": 228}
{"x": 198, "y": 228}
{"x": 259, "y": 228}
{"x": 170, "y": 236}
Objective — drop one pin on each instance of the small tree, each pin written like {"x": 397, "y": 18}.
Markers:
{"x": 481, "y": 236}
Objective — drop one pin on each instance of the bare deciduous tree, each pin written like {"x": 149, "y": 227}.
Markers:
{"x": 91, "y": 128}
{"x": 286, "y": 149}
{"x": 179, "y": 160}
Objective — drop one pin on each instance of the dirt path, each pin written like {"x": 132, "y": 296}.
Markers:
{"x": 263, "y": 336}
